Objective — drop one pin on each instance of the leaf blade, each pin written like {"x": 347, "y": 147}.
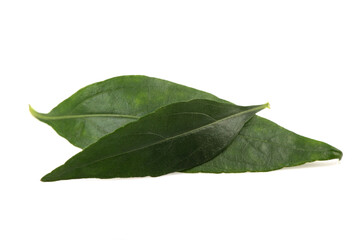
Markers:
{"x": 87, "y": 131}
{"x": 133, "y": 95}
{"x": 176, "y": 142}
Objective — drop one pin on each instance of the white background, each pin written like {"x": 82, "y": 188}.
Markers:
{"x": 301, "y": 56}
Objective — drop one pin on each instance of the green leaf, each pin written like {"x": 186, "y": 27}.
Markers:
{"x": 103, "y": 107}
{"x": 174, "y": 138}
{"x": 103, "y": 104}
{"x": 264, "y": 146}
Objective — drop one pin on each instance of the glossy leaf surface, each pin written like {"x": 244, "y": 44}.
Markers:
{"x": 103, "y": 104}
{"x": 174, "y": 138}
{"x": 103, "y": 107}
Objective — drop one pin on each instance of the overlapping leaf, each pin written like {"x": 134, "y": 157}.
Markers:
{"x": 103, "y": 107}
{"x": 176, "y": 137}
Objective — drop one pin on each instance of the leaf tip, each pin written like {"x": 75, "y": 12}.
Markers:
{"x": 267, "y": 105}
{"x": 48, "y": 178}
{"x": 33, "y": 112}
{"x": 340, "y": 155}
{"x": 44, "y": 179}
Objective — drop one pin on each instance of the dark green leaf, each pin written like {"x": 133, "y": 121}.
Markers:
{"x": 135, "y": 96}
{"x": 176, "y": 137}
{"x": 103, "y": 107}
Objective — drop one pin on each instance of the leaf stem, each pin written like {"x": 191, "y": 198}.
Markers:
{"x": 46, "y": 117}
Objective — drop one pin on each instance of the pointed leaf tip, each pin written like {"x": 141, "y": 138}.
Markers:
{"x": 47, "y": 178}
{"x": 340, "y": 155}
{"x": 33, "y": 112}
